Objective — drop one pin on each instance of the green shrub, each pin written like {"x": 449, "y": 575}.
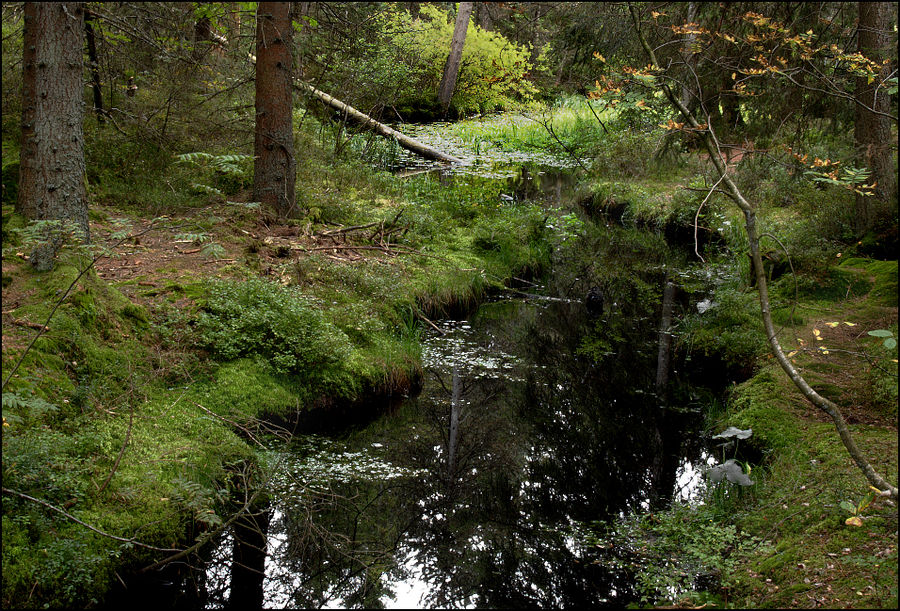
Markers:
{"x": 421, "y": 45}
{"x": 257, "y": 317}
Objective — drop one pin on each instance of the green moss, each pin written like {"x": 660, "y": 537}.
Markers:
{"x": 760, "y": 404}
{"x": 245, "y": 388}
{"x": 884, "y": 275}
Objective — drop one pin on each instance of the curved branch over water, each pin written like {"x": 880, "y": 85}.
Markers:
{"x": 749, "y": 210}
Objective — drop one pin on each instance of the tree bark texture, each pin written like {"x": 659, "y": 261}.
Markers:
{"x": 451, "y": 68}
{"x": 51, "y": 179}
{"x": 873, "y": 131}
{"x": 274, "y": 174}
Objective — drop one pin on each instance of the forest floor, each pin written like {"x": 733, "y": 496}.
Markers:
{"x": 807, "y": 556}
{"x": 817, "y": 559}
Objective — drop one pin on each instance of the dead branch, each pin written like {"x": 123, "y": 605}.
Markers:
{"x": 85, "y": 524}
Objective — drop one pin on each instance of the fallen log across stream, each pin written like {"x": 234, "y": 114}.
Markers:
{"x": 367, "y": 122}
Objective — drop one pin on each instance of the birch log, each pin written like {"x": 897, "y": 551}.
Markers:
{"x": 410, "y": 144}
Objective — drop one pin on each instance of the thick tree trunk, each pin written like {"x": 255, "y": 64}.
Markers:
{"x": 274, "y": 174}
{"x": 690, "y": 60}
{"x": 873, "y": 131}
{"x": 51, "y": 180}
{"x": 451, "y": 68}
{"x": 410, "y": 144}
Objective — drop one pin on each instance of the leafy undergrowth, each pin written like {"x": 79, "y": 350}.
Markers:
{"x": 816, "y": 558}
{"x": 138, "y": 409}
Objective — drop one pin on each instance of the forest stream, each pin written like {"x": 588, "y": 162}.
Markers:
{"x": 479, "y": 490}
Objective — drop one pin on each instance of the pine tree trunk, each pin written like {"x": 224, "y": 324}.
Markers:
{"x": 274, "y": 174}
{"x": 51, "y": 180}
{"x": 451, "y": 68}
{"x": 873, "y": 131}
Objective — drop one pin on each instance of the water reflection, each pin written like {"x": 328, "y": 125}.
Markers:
{"x": 535, "y": 417}
{"x": 468, "y": 495}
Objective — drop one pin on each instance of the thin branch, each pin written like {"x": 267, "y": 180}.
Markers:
{"x": 65, "y": 295}
{"x": 697, "y": 217}
{"x": 85, "y": 524}
{"x": 121, "y": 452}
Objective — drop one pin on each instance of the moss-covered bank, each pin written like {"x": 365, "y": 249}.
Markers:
{"x": 136, "y": 412}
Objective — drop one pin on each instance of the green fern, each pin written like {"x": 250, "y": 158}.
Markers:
{"x": 213, "y": 250}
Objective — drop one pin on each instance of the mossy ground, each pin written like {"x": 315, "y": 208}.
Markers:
{"x": 123, "y": 363}
{"x": 818, "y": 560}
{"x": 795, "y": 549}
{"x": 121, "y": 366}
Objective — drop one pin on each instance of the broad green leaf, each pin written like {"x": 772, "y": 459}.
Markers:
{"x": 890, "y": 343}
{"x": 881, "y": 333}
{"x": 848, "y": 506}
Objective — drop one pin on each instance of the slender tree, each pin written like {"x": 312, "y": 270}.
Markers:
{"x": 451, "y": 68}
{"x": 90, "y": 38}
{"x": 274, "y": 173}
{"x": 873, "y": 125}
{"x": 51, "y": 180}
{"x": 751, "y": 224}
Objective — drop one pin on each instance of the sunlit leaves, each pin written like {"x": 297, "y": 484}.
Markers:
{"x": 730, "y": 470}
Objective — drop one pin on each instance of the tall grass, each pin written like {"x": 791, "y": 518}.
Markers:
{"x": 567, "y": 125}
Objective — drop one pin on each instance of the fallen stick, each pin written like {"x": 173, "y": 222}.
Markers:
{"x": 29, "y": 324}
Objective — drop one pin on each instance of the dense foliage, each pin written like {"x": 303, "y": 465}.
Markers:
{"x": 137, "y": 409}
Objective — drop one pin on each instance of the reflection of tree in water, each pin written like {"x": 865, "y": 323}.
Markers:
{"x": 334, "y": 544}
{"x": 505, "y": 461}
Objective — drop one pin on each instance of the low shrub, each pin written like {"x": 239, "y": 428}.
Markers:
{"x": 257, "y": 317}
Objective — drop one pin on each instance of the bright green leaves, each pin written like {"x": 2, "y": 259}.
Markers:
{"x": 856, "y": 509}
{"x": 889, "y": 341}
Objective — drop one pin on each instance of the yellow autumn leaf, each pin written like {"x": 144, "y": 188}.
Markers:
{"x": 792, "y": 353}
{"x": 854, "y": 521}
{"x": 816, "y": 332}
{"x": 832, "y": 324}
{"x": 850, "y": 324}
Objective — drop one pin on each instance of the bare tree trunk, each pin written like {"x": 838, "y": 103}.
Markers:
{"x": 274, "y": 172}
{"x": 95, "y": 66}
{"x": 873, "y": 131}
{"x": 690, "y": 60}
{"x": 51, "y": 180}
{"x": 734, "y": 192}
{"x": 451, "y": 68}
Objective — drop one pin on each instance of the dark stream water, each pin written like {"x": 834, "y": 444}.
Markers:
{"x": 476, "y": 492}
